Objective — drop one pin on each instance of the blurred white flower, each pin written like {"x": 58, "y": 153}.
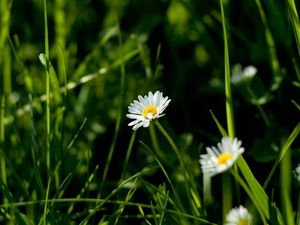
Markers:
{"x": 217, "y": 160}
{"x": 240, "y": 75}
{"x": 147, "y": 108}
{"x": 238, "y": 216}
{"x": 298, "y": 172}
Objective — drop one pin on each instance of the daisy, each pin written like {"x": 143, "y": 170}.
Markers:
{"x": 238, "y": 216}
{"x": 240, "y": 75}
{"x": 217, "y": 160}
{"x": 147, "y": 108}
{"x": 298, "y": 172}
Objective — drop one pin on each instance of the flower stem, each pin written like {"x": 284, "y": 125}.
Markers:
{"x": 154, "y": 141}
{"x": 226, "y": 193}
{"x": 226, "y": 187}
{"x": 171, "y": 142}
{"x": 184, "y": 169}
{"x": 48, "y": 116}
{"x": 262, "y": 112}
{"x": 129, "y": 150}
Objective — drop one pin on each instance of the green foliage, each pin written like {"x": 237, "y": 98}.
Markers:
{"x": 69, "y": 70}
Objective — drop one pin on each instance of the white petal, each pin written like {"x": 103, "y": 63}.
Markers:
{"x": 151, "y": 98}
{"x": 142, "y": 101}
{"x": 138, "y": 104}
{"x": 163, "y": 106}
{"x": 156, "y": 94}
{"x": 134, "y": 110}
{"x": 158, "y": 98}
{"x": 138, "y": 125}
{"x": 134, "y": 122}
{"x": 134, "y": 116}
{"x": 146, "y": 123}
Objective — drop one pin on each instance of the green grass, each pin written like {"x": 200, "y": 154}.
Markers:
{"x": 67, "y": 155}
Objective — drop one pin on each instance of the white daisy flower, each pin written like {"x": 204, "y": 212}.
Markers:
{"x": 240, "y": 75}
{"x": 238, "y": 216}
{"x": 298, "y": 172}
{"x": 146, "y": 109}
{"x": 220, "y": 159}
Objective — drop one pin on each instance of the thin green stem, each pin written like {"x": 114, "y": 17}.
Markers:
{"x": 180, "y": 158}
{"x": 5, "y": 6}
{"x": 46, "y": 202}
{"x": 4, "y": 104}
{"x": 260, "y": 109}
{"x": 271, "y": 47}
{"x": 171, "y": 142}
{"x": 283, "y": 151}
{"x": 2, "y": 140}
{"x": 165, "y": 173}
{"x": 228, "y": 96}
{"x": 33, "y": 150}
{"x": 128, "y": 153}
{"x": 155, "y": 141}
{"x": 5, "y": 64}
{"x": 48, "y": 120}
{"x": 207, "y": 196}
{"x": 60, "y": 42}
{"x": 285, "y": 193}
{"x": 60, "y": 34}
{"x": 295, "y": 22}
{"x": 226, "y": 193}
{"x": 226, "y": 189}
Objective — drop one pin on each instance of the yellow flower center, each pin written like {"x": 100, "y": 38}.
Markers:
{"x": 223, "y": 159}
{"x": 152, "y": 109}
{"x": 243, "y": 222}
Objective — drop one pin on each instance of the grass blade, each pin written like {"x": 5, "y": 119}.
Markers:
{"x": 122, "y": 206}
{"x": 5, "y": 83}
{"x": 86, "y": 185}
{"x": 296, "y": 104}
{"x": 257, "y": 190}
{"x": 268, "y": 209}
{"x": 164, "y": 209}
{"x": 128, "y": 153}
{"x": 113, "y": 192}
{"x": 294, "y": 18}
{"x": 285, "y": 193}
{"x": 220, "y": 127}
{"x": 228, "y": 96}
{"x": 277, "y": 76}
{"x": 35, "y": 161}
{"x": 226, "y": 181}
{"x": 250, "y": 194}
{"x": 165, "y": 173}
{"x": 46, "y": 209}
{"x": 284, "y": 149}
{"x": 48, "y": 120}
